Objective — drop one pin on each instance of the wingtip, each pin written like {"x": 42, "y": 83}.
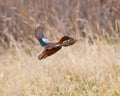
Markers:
{"x": 42, "y": 56}
{"x": 39, "y": 32}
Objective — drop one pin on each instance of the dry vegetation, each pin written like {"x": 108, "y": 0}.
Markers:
{"x": 91, "y": 67}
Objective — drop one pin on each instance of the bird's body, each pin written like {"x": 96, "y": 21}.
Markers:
{"x": 51, "y": 48}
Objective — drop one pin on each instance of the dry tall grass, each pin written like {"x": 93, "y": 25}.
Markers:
{"x": 91, "y": 67}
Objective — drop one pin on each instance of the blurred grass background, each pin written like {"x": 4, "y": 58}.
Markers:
{"x": 91, "y": 67}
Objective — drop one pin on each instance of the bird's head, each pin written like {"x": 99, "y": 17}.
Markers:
{"x": 67, "y": 41}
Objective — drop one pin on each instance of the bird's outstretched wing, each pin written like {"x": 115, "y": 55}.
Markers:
{"x": 41, "y": 37}
{"x": 49, "y": 51}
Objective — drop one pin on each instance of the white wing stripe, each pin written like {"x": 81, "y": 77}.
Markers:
{"x": 46, "y": 40}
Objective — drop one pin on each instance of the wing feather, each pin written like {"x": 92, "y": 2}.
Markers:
{"x": 40, "y": 36}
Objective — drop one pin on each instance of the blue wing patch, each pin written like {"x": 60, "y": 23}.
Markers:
{"x": 44, "y": 41}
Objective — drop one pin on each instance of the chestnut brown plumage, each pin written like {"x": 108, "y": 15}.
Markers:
{"x": 51, "y": 48}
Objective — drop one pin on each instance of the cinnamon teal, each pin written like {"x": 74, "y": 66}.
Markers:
{"x": 50, "y": 47}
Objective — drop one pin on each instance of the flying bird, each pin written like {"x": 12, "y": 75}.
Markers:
{"x": 49, "y": 47}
